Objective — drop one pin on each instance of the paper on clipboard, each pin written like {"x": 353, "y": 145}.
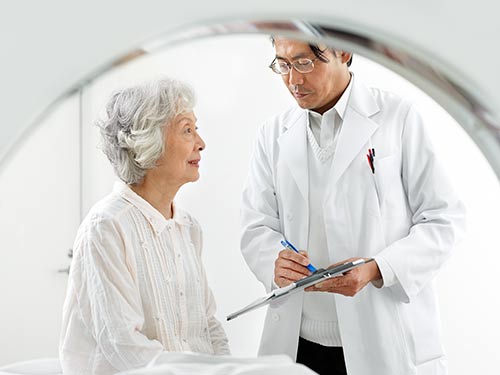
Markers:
{"x": 316, "y": 277}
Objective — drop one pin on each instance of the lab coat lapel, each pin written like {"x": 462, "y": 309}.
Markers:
{"x": 293, "y": 151}
{"x": 357, "y": 129}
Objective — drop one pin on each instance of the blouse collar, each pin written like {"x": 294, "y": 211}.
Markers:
{"x": 155, "y": 218}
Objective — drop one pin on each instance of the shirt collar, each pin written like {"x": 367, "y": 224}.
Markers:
{"x": 152, "y": 215}
{"x": 339, "y": 107}
{"x": 341, "y": 104}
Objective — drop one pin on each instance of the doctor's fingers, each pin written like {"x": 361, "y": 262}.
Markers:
{"x": 290, "y": 270}
{"x": 290, "y": 274}
{"x": 299, "y": 258}
{"x": 286, "y": 277}
{"x": 348, "y": 285}
{"x": 287, "y": 273}
{"x": 289, "y": 260}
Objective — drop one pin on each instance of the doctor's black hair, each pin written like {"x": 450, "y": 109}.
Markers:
{"x": 318, "y": 52}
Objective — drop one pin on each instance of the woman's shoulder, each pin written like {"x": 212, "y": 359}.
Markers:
{"x": 108, "y": 207}
{"x": 108, "y": 212}
{"x": 102, "y": 230}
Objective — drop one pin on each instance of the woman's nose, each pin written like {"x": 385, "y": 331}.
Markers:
{"x": 201, "y": 144}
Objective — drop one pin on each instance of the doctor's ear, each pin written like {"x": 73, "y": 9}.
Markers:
{"x": 345, "y": 57}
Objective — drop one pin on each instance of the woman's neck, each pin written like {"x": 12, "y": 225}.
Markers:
{"x": 158, "y": 194}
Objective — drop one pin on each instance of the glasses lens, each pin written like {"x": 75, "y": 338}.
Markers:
{"x": 303, "y": 65}
{"x": 280, "y": 67}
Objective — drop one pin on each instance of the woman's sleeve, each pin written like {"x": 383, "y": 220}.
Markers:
{"x": 217, "y": 333}
{"x": 108, "y": 297}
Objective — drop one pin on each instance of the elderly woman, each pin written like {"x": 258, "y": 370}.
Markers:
{"x": 137, "y": 286}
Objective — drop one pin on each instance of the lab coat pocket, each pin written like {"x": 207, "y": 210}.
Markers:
{"x": 386, "y": 176}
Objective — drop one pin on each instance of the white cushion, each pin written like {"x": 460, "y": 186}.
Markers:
{"x": 44, "y": 366}
{"x": 194, "y": 363}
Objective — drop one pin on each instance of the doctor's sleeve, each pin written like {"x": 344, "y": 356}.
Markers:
{"x": 260, "y": 222}
{"x": 438, "y": 216}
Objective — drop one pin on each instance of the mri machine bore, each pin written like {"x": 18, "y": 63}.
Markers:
{"x": 84, "y": 178}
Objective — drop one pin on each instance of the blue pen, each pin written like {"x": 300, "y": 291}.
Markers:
{"x": 288, "y": 245}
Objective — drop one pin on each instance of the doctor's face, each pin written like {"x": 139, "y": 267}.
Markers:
{"x": 319, "y": 89}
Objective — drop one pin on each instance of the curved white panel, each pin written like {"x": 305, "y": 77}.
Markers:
{"x": 49, "y": 47}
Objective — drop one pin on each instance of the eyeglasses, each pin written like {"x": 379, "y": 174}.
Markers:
{"x": 300, "y": 65}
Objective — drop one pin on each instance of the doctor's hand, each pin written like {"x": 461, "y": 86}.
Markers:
{"x": 351, "y": 282}
{"x": 290, "y": 267}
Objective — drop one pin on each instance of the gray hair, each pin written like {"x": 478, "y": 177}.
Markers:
{"x": 133, "y": 132}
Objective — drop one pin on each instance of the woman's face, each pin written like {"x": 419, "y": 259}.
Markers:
{"x": 183, "y": 145}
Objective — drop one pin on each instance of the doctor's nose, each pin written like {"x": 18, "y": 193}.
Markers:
{"x": 295, "y": 77}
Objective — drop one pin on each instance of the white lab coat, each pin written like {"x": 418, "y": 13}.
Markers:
{"x": 405, "y": 215}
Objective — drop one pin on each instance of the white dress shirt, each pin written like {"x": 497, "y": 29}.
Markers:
{"x": 137, "y": 288}
{"x": 319, "y": 319}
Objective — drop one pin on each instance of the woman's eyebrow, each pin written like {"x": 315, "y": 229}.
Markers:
{"x": 186, "y": 118}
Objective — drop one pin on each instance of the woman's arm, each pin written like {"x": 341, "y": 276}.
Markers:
{"x": 108, "y": 299}
{"x": 217, "y": 333}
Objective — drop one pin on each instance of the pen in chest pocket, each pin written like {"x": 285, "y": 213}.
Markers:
{"x": 371, "y": 159}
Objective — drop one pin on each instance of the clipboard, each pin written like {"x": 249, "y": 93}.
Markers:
{"x": 316, "y": 277}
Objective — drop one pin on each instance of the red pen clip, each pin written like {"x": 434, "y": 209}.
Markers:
{"x": 371, "y": 158}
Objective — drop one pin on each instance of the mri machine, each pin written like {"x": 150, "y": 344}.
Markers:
{"x": 51, "y": 49}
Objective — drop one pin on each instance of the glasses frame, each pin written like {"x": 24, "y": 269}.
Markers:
{"x": 291, "y": 65}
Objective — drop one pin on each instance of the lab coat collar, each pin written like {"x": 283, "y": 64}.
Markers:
{"x": 356, "y": 130}
{"x": 361, "y": 99}
{"x": 341, "y": 104}
{"x": 293, "y": 149}
{"x": 157, "y": 221}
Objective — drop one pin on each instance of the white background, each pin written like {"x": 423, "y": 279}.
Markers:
{"x": 40, "y": 191}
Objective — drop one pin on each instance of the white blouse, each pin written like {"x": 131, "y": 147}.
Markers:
{"x": 137, "y": 287}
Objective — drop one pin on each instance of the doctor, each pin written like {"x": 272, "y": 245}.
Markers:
{"x": 349, "y": 173}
